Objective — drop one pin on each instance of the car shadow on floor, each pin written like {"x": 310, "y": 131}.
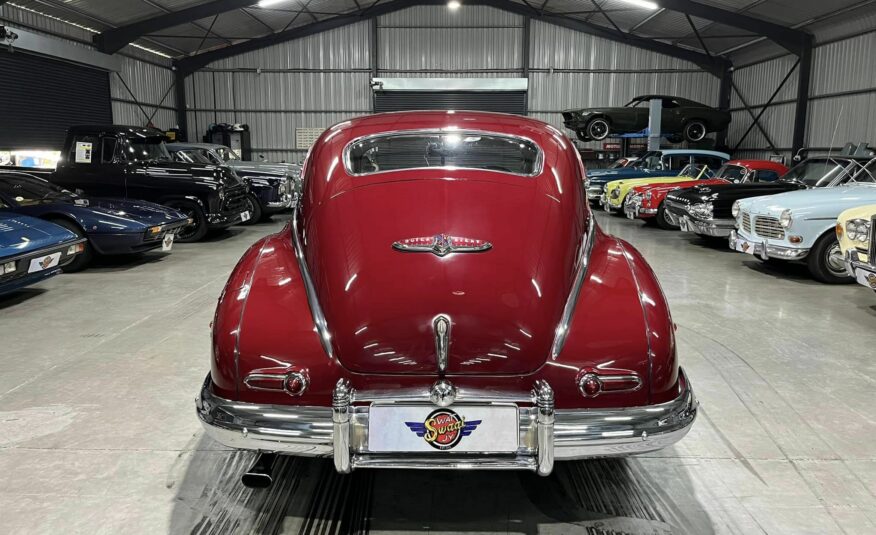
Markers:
{"x": 19, "y": 296}
{"x": 596, "y": 496}
{"x": 108, "y": 264}
{"x": 222, "y": 235}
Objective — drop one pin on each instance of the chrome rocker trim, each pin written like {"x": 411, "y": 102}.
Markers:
{"x": 764, "y": 250}
{"x": 545, "y": 434}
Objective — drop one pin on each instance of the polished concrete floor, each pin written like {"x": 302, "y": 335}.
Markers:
{"x": 98, "y": 372}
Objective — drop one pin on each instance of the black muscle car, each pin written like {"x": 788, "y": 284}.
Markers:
{"x": 708, "y": 210}
{"x": 681, "y": 118}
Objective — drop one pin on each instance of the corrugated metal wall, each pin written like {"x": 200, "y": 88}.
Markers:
{"x": 322, "y": 79}
{"x": 842, "y": 105}
{"x": 147, "y": 75}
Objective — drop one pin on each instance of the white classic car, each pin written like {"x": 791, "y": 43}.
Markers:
{"x": 800, "y": 225}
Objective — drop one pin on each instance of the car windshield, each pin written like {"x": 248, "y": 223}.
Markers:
{"x": 193, "y": 156}
{"x": 733, "y": 173}
{"x": 468, "y": 150}
{"x": 651, "y": 160}
{"x": 27, "y": 191}
{"x": 817, "y": 172}
{"x": 227, "y": 154}
{"x": 866, "y": 172}
{"x": 696, "y": 170}
{"x": 146, "y": 149}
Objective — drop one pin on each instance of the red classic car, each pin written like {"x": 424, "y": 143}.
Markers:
{"x": 646, "y": 202}
{"x": 443, "y": 298}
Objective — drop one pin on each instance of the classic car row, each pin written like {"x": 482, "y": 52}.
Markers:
{"x": 769, "y": 211}
{"x": 117, "y": 190}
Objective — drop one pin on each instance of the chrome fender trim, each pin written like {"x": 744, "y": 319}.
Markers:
{"x": 562, "y": 331}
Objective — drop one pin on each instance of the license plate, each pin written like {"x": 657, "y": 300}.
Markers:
{"x": 244, "y": 216}
{"x": 866, "y": 278}
{"x": 44, "y": 262}
{"x": 744, "y": 246}
{"x": 167, "y": 242}
{"x": 394, "y": 428}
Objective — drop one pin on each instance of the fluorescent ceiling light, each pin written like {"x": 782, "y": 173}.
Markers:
{"x": 268, "y": 3}
{"x": 643, "y": 4}
{"x": 453, "y": 5}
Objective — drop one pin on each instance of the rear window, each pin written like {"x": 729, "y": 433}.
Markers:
{"x": 461, "y": 150}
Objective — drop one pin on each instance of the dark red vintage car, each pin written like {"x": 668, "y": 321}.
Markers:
{"x": 443, "y": 298}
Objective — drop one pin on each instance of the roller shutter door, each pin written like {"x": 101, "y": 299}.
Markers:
{"x": 40, "y": 98}
{"x": 497, "y": 101}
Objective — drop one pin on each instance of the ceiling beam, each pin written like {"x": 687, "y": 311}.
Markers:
{"x": 795, "y": 41}
{"x": 115, "y": 39}
{"x": 714, "y": 65}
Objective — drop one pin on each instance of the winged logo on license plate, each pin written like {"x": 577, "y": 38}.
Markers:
{"x": 443, "y": 428}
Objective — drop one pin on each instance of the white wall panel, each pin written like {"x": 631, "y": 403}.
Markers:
{"x": 835, "y": 121}
{"x": 149, "y": 83}
{"x": 450, "y": 48}
{"x": 843, "y": 65}
{"x": 342, "y": 48}
{"x": 758, "y": 82}
{"x": 440, "y": 16}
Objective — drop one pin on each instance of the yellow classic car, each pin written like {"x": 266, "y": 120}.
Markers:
{"x": 854, "y": 230}
{"x": 616, "y": 191}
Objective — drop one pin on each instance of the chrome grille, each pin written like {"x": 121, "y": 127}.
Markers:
{"x": 768, "y": 227}
{"x": 871, "y": 255}
{"x": 746, "y": 222}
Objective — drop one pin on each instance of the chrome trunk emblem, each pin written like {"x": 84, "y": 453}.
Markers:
{"x": 441, "y": 245}
{"x": 441, "y": 327}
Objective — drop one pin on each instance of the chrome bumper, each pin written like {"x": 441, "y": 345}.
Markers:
{"x": 545, "y": 434}
{"x": 764, "y": 250}
{"x": 633, "y": 208}
{"x": 863, "y": 272}
{"x": 719, "y": 228}
{"x": 594, "y": 192}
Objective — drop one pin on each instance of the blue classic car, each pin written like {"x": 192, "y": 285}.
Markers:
{"x": 800, "y": 225}
{"x": 660, "y": 163}
{"x": 32, "y": 250}
{"x": 111, "y": 226}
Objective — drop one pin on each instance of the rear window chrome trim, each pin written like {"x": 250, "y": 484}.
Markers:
{"x": 539, "y": 159}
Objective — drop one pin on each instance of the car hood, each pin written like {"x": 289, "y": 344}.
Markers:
{"x": 812, "y": 203}
{"x": 722, "y": 194}
{"x": 209, "y": 175}
{"x": 144, "y": 212}
{"x": 601, "y": 176}
{"x": 633, "y": 182}
{"x": 266, "y": 170}
{"x": 22, "y": 234}
{"x": 504, "y": 303}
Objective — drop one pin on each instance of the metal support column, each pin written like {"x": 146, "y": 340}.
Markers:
{"x": 525, "y": 70}
{"x": 375, "y": 53}
{"x": 180, "y": 88}
{"x": 655, "y": 123}
{"x": 802, "y": 110}
{"x": 724, "y": 104}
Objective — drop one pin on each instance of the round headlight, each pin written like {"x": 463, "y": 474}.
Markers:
{"x": 735, "y": 209}
{"x": 648, "y": 196}
{"x": 852, "y": 229}
{"x": 785, "y": 218}
{"x": 615, "y": 193}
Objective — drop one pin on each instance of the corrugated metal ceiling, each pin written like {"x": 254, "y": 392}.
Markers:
{"x": 241, "y": 24}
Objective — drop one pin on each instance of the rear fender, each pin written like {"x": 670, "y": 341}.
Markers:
{"x": 264, "y": 325}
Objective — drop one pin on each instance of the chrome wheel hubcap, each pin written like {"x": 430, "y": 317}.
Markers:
{"x": 835, "y": 261}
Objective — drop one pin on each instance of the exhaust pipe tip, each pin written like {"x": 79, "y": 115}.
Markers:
{"x": 257, "y": 480}
{"x": 261, "y": 473}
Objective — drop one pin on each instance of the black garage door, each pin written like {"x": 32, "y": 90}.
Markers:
{"x": 498, "y": 101}
{"x": 40, "y": 98}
